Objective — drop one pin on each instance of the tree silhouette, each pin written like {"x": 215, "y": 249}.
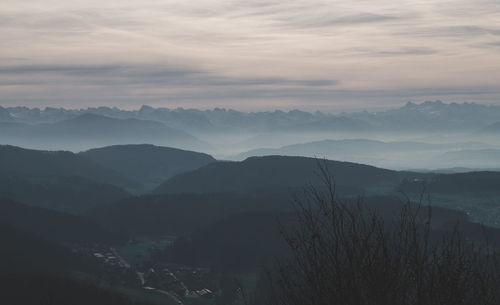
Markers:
{"x": 346, "y": 253}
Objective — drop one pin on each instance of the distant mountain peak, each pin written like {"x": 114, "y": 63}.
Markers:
{"x": 428, "y": 115}
{"x": 91, "y": 116}
{"x": 147, "y": 109}
{"x": 5, "y": 115}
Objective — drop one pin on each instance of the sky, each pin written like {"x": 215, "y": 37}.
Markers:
{"x": 248, "y": 55}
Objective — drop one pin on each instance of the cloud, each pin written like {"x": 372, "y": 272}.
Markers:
{"x": 347, "y": 20}
{"x": 276, "y": 51}
{"x": 60, "y": 69}
{"x": 397, "y": 52}
{"x": 145, "y": 76}
{"x": 321, "y": 19}
{"x": 455, "y": 31}
{"x": 269, "y": 81}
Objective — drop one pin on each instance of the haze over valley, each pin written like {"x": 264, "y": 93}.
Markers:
{"x": 230, "y": 152}
{"x": 426, "y": 136}
{"x": 184, "y": 205}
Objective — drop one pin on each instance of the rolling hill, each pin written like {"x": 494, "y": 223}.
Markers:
{"x": 58, "y": 180}
{"x": 391, "y": 154}
{"x": 70, "y": 194}
{"x": 38, "y": 164}
{"x": 149, "y": 164}
{"x": 346, "y": 147}
{"x": 277, "y": 172}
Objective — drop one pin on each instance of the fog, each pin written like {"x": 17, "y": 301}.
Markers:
{"x": 426, "y": 136}
{"x": 459, "y": 152}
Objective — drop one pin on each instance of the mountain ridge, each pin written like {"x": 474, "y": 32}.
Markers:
{"x": 426, "y": 115}
{"x": 147, "y": 163}
{"x": 275, "y": 172}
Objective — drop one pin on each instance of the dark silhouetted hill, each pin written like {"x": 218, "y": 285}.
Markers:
{"x": 149, "y": 164}
{"x": 43, "y": 164}
{"x": 277, "y": 172}
{"x": 58, "y": 180}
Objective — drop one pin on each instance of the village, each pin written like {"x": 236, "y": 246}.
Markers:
{"x": 175, "y": 282}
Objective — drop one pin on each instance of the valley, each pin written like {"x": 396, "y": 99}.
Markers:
{"x": 166, "y": 225}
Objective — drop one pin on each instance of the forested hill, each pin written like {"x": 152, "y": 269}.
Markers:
{"x": 146, "y": 163}
{"x": 278, "y": 172}
{"x": 43, "y": 164}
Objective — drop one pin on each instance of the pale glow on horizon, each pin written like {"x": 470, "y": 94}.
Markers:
{"x": 307, "y": 54}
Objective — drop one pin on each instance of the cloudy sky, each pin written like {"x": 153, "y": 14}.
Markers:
{"x": 249, "y": 55}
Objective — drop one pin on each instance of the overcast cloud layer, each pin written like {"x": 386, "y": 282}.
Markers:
{"x": 307, "y": 54}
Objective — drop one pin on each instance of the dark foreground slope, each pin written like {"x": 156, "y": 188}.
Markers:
{"x": 240, "y": 242}
{"x": 41, "y": 254}
{"x": 25, "y": 253}
{"x": 248, "y": 241}
{"x": 35, "y": 271}
{"x": 148, "y": 164}
{"x": 69, "y": 194}
{"x": 15, "y": 290}
{"x": 55, "y": 226}
{"x": 177, "y": 214}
